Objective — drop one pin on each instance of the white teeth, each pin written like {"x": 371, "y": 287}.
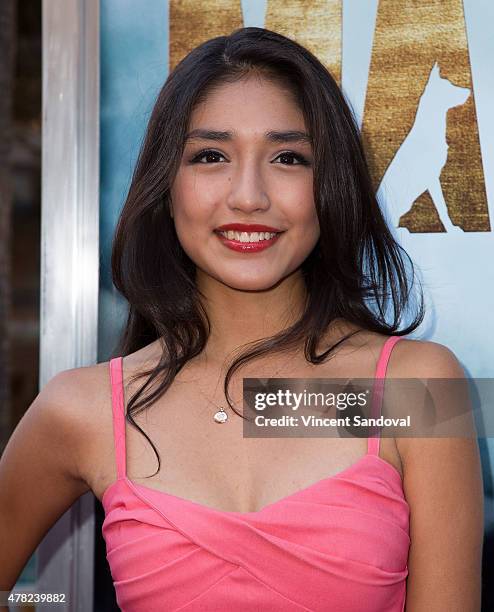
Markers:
{"x": 248, "y": 237}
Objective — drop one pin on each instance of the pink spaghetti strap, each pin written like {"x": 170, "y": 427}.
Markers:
{"x": 118, "y": 410}
{"x": 377, "y": 396}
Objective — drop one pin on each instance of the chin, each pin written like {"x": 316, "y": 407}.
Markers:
{"x": 256, "y": 283}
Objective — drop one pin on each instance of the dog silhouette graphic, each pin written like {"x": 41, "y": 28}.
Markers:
{"x": 417, "y": 165}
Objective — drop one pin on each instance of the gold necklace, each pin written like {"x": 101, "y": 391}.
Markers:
{"x": 221, "y": 416}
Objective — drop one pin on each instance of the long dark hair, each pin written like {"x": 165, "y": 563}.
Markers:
{"x": 356, "y": 270}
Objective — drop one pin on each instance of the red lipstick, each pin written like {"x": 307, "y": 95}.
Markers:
{"x": 247, "y": 247}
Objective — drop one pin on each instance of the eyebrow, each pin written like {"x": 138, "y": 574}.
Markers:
{"x": 295, "y": 136}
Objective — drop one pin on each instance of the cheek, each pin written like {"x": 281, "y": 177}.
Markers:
{"x": 312, "y": 213}
{"x": 310, "y": 232}
{"x": 299, "y": 198}
{"x": 191, "y": 213}
{"x": 192, "y": 219}
{"x": 194, "y": 197}
{"x": 307, "y": 220}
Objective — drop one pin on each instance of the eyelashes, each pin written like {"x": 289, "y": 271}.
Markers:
{"x": 205, "y": 152}
{"x": 302, "y": 161}
{"x": 211, "y": 153}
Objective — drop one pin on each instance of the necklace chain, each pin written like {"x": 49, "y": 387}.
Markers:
{"x": 221, "y": 416}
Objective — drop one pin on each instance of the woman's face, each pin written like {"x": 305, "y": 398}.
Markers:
{"x": 254, "y": 167}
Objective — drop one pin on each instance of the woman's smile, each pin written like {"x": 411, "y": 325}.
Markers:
{"x": 245, "y": 242}
{"x": 247, "y": 238}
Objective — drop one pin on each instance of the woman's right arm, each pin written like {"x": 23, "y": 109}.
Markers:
{"x": 39, "y": 473}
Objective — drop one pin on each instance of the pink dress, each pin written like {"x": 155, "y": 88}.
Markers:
{"x": 340, "y": 544}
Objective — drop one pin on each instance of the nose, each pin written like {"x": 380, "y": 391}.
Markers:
{"x": 247, "y": 190}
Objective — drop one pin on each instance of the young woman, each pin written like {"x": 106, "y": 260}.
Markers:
{"x": 251, "y": 244}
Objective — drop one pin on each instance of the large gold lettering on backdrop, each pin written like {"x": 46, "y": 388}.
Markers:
{"x": 192, "y": 22}
{"x": 419, "y": 96}
{"x": 315, "y": 24}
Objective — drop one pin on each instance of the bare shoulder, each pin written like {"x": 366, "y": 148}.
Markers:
{"x": 76, "y": 401}
{"x": 82, "y": 398}
{"x": 423, "y": 359}
{"x": 85, "y": 392}
{"x": 442, "y": 482}
{"x": 80, "y": 390}
{"x": 420, "y": 359}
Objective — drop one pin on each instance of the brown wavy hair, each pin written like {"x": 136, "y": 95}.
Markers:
{"x": 356, "y": 271}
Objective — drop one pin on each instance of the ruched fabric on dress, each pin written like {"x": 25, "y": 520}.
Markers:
{"x": 340, "y": 544}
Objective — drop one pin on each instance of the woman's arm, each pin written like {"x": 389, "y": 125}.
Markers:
{"x": 443, "y": 487}
{"x": 39, "y": 473}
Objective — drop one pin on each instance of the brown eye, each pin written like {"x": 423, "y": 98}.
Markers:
{"x": 289, "y": 155}
{"x": 210, "y": 155}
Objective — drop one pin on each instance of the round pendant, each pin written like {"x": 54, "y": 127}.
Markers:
{"x": 220, "y": 416}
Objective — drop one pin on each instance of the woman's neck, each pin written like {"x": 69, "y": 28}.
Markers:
{"x": 240, "y": 317}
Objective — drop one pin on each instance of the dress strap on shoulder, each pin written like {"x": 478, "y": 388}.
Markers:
{"x": 378, "y": 392}
{"x": 118, "y": 410}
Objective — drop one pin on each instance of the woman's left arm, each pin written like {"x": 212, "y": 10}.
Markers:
{"x": 443, "y": 487}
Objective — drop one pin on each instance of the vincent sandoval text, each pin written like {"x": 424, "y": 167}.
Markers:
{"x": 312, "y": 421}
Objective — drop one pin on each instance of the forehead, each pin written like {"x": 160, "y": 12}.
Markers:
{"x": 252, "y": 100}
